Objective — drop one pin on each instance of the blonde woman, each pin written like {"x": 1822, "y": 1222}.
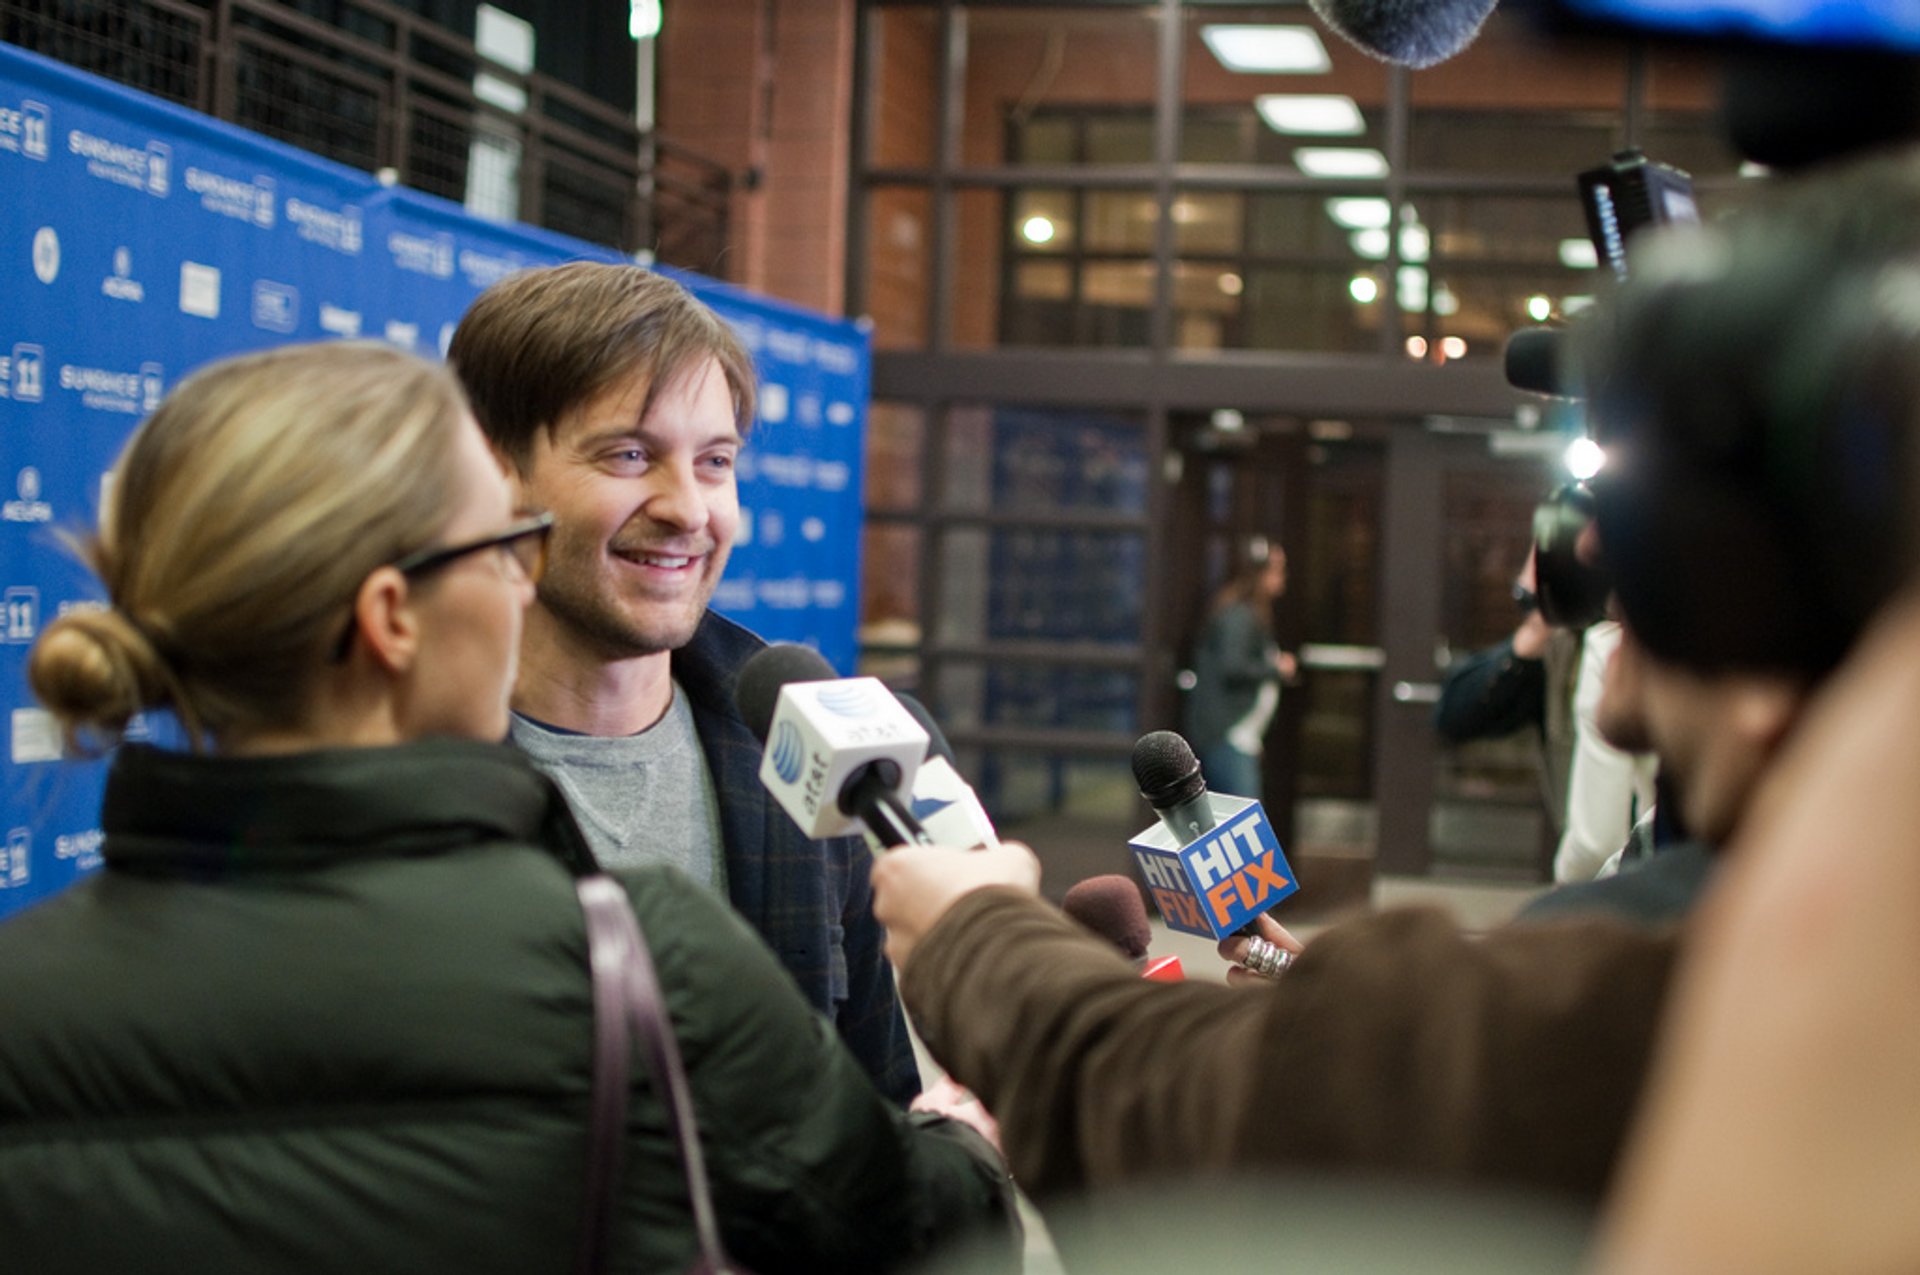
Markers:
{"x": 327, "y": 1008}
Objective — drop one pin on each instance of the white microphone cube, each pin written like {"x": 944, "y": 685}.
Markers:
{"x": 822, "y": 732}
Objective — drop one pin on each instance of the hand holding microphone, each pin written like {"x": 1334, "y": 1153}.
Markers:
{"x": 915, "y": 885}
{"x": 1212, "y": 864}
{"x": 1264, "y": 955}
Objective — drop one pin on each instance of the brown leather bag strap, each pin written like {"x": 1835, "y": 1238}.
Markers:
{"x": 627, "y": 1003}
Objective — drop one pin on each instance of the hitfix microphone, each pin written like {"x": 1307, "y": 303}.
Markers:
{"x": 1110, "y": 906}
{"x": 1412, "y": 33}
{"x": 1212, "y": 862}
{"x": 841, "y": 752}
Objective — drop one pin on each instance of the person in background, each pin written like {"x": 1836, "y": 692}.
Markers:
{"x": 327, "y": 1008}
{"x": 1522, "y": 683}
{"x": 1237, "y": 672}
{"x": 620, "y": 403}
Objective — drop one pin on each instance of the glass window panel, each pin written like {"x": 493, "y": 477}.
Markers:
{"x": 1044, "y": 280}
{"x": 1218, "y": 136}
{"x": 1120, "y": 221}
{"x": 1284, "y": 225}
{"x": 1046, "y": 139}
{"x": 1206, "y": 222}
{"x": 1206, "y": 300}
{"x": 1042, "y": 695}
{"x": 896, "y": 437}
{"x": 1023, "y": 60}
{"x": 1304, "y": 308}
{"x": 899, "y": 265}
{"x": 1022, "y": 460}
{"x": 1116, "y": 301}
{"x": 906, "y": 73}
{"x": 1120, "y": 139}
{"x": 1041, "y": 583}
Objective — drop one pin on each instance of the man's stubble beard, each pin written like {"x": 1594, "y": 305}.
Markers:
{"x": 594, "y": 615}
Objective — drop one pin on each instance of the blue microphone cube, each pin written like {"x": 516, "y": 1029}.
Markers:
{"x": 1222, "y": 879}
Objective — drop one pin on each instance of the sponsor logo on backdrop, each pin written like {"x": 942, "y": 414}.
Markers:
{"x": 403, "y": 334}
{"x": 792, "y": 594}
{"x": 831, "y": 475}
{"x": 46, "y": 254}
{"x": 81, "y": 847}
{"x": 340, "y": 322}
{"x": 813, "y": 530}
{"x": 786, "y": 471}
{"x": 787, "y": 345}
{"x": 148, "y": 168}
{"x": 773, "y": 527}
{"x": 276, "y": 306}
{"x": 121, "y": 285}
{"x": 809, "y": 410}
{"x": 422, "y": 254}
{"x": 22, "y": 623}
{"x": 831, "y": 357}
{"x": 773, "y": 402}
{"x": 340, "y": 230}
{"x": 28, "y": 507}
{"x": 36, "y": 736}
{"x": 200, "y": 289}
{"x": 14, "y": 864}
{"x": 24, "y": 130}
{"x": 23, "y": 374}
{"x": 839, "y": 413}
{"x": 483, "y": 270}
{"x": 107, "y": 390}
{"x": 829, "y": 594}
{"x": 243, "y": 200}
{"x": 751, "y": 333}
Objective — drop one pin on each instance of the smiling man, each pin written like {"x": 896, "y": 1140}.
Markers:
{"x": 620, "y": 404}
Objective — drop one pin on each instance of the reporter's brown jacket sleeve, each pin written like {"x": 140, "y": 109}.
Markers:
{"x": 1394, "y": 1044}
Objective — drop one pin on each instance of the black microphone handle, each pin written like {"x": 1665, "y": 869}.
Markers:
{"x": 869, "y": 796}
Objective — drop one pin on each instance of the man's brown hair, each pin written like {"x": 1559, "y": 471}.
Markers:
{"x": 541, "y": 343}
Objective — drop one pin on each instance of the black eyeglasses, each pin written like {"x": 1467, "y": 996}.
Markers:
{"x": 523, "y": 542}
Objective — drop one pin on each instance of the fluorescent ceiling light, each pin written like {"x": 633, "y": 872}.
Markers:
{"x": 1313, "y": 114}
{"x": 1340, "y": 161}
{"x": 1371, "y": 244}
{"x": 1287, "y": 50}
{"x": 1361, "y": 213}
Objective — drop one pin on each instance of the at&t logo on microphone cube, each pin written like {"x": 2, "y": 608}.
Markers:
{"x": 824, "y": 731}
{"x": 1222, "y": 880}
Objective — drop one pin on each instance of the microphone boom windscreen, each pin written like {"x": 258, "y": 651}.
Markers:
{"x": 757, "y": 693}
{"x": 1412, "y": 33}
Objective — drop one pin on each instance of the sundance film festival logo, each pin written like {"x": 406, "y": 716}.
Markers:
{"x": 25, "y": 130}
{"x": 248, "y": 201}
{"x": 341, "y": 231}
{"x": 422, "y": 254}
{"x": 83, "y": 848}
{"x": 106, "y": 390}
{"x": 28, "y": 507}
{"x": 340, "y": 322}
{"x": 148, "y": 168}
{"x": 23, "y": 374}
{"x": 483, "y": 270}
